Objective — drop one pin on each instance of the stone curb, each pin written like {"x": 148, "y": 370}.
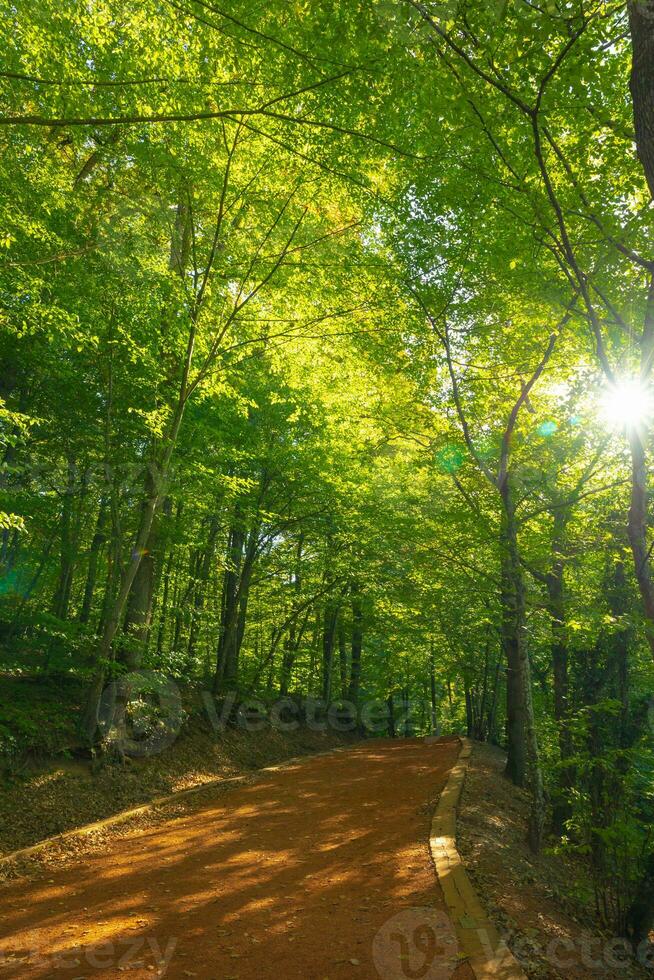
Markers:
{"x": 479, "y": 940}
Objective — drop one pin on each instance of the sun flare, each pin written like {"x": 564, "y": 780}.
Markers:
{"x": 627, "y": 404}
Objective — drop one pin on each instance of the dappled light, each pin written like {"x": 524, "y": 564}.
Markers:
{"x": 326, "y": 422}
{"x": 310, "y": 894}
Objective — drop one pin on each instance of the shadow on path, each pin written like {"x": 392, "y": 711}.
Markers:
{"x": 291, "y": 877}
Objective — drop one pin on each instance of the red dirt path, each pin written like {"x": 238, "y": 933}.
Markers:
{"x": 291, "y": 877}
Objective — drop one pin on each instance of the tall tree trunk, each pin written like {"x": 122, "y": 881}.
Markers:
{"x": 163, "y": 614}
{"x": 155, "y": 484}
{"x": 390, "y": 701}
{"x": 138, "y": 614}
{"x": 182, "y": 599}
{"x": 167, "y": 564}
{"x": 641, "y": 24}
{"x": 330, "y": 616}
{"x": 294, "y": 637}
{"x": 468, "y": 700}
{"x": 116, "y": 607}
{"x": 617, "y": 594}
{"x": 406, "y": 710}
{"x": 61, "y": 599}
{"x": 641, "y": 83}
{"x": 204, "y": 570}
{"x": 111, "y": 583}
{"x": 637, "y": 529}
{"x": 342, "y": 655}
{"x": 559, "y": 650}
{"x": 640, "y": 915}
{"x": 513, "y": 644}
{"x": 314, "y": 673}
{"x": 523, "y": 763}
{"x": 229, "y": 607}
{"x": 432, "y": 689}
{"x": 250, "y": 557}
{"x": 492, "y": 711}
{"x": 357, "y": 644}
{"x": 480, "y": 731}
{"x": 97, "y": 543}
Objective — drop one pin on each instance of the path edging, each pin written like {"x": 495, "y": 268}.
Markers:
{"x": 479, "y": 940}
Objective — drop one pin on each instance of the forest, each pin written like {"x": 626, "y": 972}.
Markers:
{"x": 327, "y": 378}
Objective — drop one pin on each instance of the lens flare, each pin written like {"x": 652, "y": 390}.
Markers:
{"x": 627, "y": 404}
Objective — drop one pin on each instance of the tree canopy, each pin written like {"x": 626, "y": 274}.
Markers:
{"x": 327, "y": 345}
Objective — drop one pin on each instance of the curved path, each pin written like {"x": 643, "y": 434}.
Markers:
{"x": 320, "y": 869}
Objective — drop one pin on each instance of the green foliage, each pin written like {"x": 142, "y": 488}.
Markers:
{"x": 612, "y": 808}
{"x": 298, "y": 306}
{"x": 36, "y": 720}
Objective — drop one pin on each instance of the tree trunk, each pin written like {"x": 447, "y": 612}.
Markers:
{"x": 294, "y": 638}
{"x": 249, "y": 560}
{"x": 559, "y": 651}
{"x": 492, "y": 711}
{"x": 229, "y": 607}
{"x": 479, "y": 729}
{"x": 513, "y": 645}
{"x": 468, "y": 700}
{"x": 640, "y": 915}
{"x": 432, "y": 690}
{"x": 342, "y": 655}
{"x": 99, "y": 539}
{"x": 357, "y": 644}
{"x": 138, "y": 615}
{"x": 406, "y": 709}
{"x": 328, "y": 634}
{"x": 158, "y": 471}
{"x": 163, "y": 614}
{"x": 315, "y": 646}
{"x": 637, "y": 530}
{"x": 523, "y": 764}
{"x": 617, "y": 594}
{"x": 641, "y": 84}
{"x": 61, "y": 599}
{"x": 182, "y": 599}
{"x": 168, "y": 565}
{"x": 390, "y": 701}
{"x": 116, "y": 607}
{"x": 204, "y": 570}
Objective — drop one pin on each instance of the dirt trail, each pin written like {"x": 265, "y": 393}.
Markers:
{"x": 311, "y": 872}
